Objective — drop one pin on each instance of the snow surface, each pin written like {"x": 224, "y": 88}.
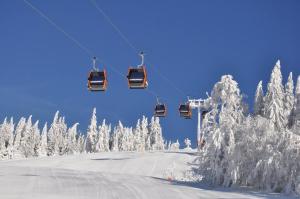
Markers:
{"x": 126, "y": 175}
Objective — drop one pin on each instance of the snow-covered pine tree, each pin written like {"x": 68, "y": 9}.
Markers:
{"x": 274, "y": 106}
{"x": 106, "y": 135}
{"x": 125, "y": 140}
{"x": 92, "y": 134}
{"x": 169, "y": 145}
{"x": 259, "y": 100}
{"x": 289, "y": 100}
{"x": 144, "y": 134}
{"x": 51, "y": 137}
{"x": 137, "y": 137}
{"x": 227, "y": 99}
{"x": 157, "y": 141}
{"x": 36, "y": 139}
{"x": 100, "y": 145}
{"x": 81, "y": 143}
{"x": 117, "y": 137}
{"x": 130, "y": 139}
{"x": 187, "y": 143}
{"x": 27, "y": 139}
{"x": 296, "y": 115}
{"x": 61, "y": 135}
{"x": 6, "y": 139}
{"x": 175, "y": 146}
{"x": 43, "y": 142}
{"x": 18, "y": 134}
{"x": 71, "y": 140}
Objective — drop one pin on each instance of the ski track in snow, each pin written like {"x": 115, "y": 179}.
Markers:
{"x": 123, "y": 175}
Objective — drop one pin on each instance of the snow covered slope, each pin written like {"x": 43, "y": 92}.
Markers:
{"x": 106, "y": 175}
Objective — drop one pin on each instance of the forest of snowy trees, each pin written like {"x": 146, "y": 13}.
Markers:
{"x": 259, "y": 149}
{"x": 25, "y": 139}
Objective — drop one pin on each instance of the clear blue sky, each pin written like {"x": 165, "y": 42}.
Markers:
{"x": 191, "y": 42}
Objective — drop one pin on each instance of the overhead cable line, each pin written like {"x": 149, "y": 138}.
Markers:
{"x": 122, "y": 35}
{"x": 80, "y": 45}
{"x": 89, "y": 52}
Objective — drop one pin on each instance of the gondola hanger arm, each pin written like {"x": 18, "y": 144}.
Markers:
{"x": 94, "y": 64}
{"x": 143, "y": 59}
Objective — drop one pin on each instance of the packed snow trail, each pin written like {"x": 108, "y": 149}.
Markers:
{"x": 123, "y": 175}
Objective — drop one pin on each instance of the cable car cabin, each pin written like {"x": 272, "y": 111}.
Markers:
{"x": 97, "y": 81}
{"x": 137, "y": 78}
{"x": 185, "y": 111}
{"x": 160, "y": 110}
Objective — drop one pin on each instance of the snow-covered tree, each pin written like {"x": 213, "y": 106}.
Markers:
{"x": 51, "y": 137}
{"x": 117, "y": 137}
{"x": 145, "y": 135}
{"x": 36, "y": 139}
{"x": 157, "y": 142}
{"x": 187, "y": 143}
{"x": 81, "y": 143}
{"x": 43, "y": 142}
{"x": 296, "y": 110}
{"x": 71, "y": 140}
{"x": 175, "y": 146}
{"x": 227, "y": 108}
{"x": 18, "y": 134}
{"x": 27, "y": 139}
{"x": 289, "y": 99}
{"x": 92, "y": 134}
{"x": 100, "y": 142}
{"x": 6, "y": 138}
{"x": 274, "y": 106}
{"x": 259, "y": 100}
{"x": 138, "y": 144}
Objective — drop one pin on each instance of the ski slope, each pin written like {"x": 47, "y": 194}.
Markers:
{"x": 123, "y": 175}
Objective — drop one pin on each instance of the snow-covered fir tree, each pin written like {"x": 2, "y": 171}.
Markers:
{"x": 175, "y": 146}
{"x": 296, "y": 112}
{"x": 18, "y": 134}
{"x": 289, "y": 99}
{"x": 117, "y": 136}
{"x": 43, "y": 142}
{"x": 6, "y": 138}
{"x": 157, "y": 142}
{"x": 51, "y": 137}
{"x": 71, "y": 140}
{"x": 259, "y": 100}
{"x": 103, "y": 137}
{"x": 138, "y": 144}
{"x": 187, "y": 143}
{"x": 145, "y": 142}
{"x": 36, "y": 139}
{"x": 92, "y": 134}
{"x": 27, "y": 139}
{"x": 274, "y": 106}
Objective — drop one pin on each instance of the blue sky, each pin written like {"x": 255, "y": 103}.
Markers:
{"x": 192, "y": 43}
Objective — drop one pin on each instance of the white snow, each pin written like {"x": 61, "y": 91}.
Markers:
{"x": 107, "y": 175}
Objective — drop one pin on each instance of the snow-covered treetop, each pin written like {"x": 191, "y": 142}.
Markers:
{"x": 276, "y": 76}
{"x": 226, "y": 91}
{"x": 259, "y": 100}
{"x": 298, "y": 86}
{"x": 289, "y": 87}
{"x": 278, "y": 63}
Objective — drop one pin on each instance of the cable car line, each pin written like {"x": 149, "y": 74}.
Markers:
{"x": 114, "y": 26}
{"x": 97, "y": 80}
{"x": 122, "y": 35}
{"x": 81, "y": 46}
{"x": 43, "y": 15}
